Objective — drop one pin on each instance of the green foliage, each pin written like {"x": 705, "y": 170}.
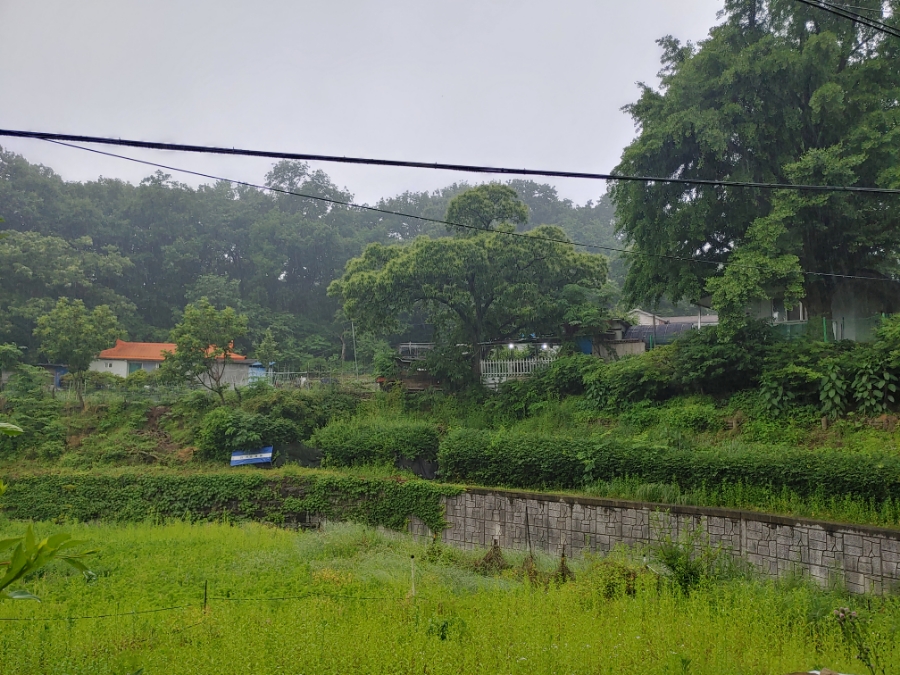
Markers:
{"x": 204, "y": 342}
{"x": 225, "y": 430}
{"x": 648, "y": 377}
{"x": 690, "y": 559}
{"x": 37, "y": 270}
{"x": 483, "y": 286}
{"x": 457, "y": 617}
{"x": 719, "y": 361}
{"x": 306, "y": 410}
{"x": 565, "y": 376}
{"x": 277, "y": 497}
{"x": 874, "y": 384}
{"x": 484, "y": 207}
{"x": 73, "y": 336}
{"x": 30, "y": 555}
{"x": 31, "y": 407}
{"x": 535, "y": 461}
{"x": 510, "y": 459}
{"x": 730, "y": 107}
{"x": 354, "y": 442}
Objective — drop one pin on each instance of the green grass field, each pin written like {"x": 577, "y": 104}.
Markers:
{"x": 348, "y": 609}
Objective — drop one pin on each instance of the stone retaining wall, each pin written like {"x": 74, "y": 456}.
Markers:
{"x": 866, "y": 559}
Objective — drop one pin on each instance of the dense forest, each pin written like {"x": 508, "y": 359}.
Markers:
{"x": 147, "y": 250}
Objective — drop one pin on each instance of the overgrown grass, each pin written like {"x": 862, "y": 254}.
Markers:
{"x": 350, "y": 611}
{"x": 838, "y": 508}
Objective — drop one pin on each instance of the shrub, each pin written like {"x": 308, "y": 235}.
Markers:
{"x": 565, "y": 376}
{"x": 706, "y": 362}
{"x": 511, "y": 459}
{"x": 306, "y": 410}
{"x": 648, "y": 377}
{"x": 225, "y": 430}
{"x": 534, "y": 461}
{"x": 354, "y": 442}
{"x": 29, "y": 406}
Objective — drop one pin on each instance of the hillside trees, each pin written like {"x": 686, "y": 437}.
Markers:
{"x": 780, "y": 92}
{"x": 36, "y": 270}
{"x": 148, "y": 249}
{"x": 72, "y": 335}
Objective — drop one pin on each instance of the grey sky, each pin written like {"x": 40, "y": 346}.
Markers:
{"x": 522, "y": 83}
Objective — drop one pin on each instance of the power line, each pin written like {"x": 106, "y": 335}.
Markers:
{"x": 376, "y": 209}
{"x": 468, "y": 168}
{"x": 96, "y": 616}
{"x": 845, "y": 13}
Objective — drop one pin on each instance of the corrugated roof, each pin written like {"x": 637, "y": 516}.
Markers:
{"x": 144, "y": 351}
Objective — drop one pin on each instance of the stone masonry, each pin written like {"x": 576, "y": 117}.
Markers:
{"x": 866, "y": 559}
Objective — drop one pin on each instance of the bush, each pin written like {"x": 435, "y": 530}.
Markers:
{"x": 516, "y": 399}
{"x": 648, "y": 377}
{"x": 706, "y": 362}
{"x": 511, "y": 459}
{"x": 306, "y": 410}
{"x": 29, "y": 406}
{"x": 225, "y": 430}
{"x": 354, "y": 442}
{"x": 535, "y": 461}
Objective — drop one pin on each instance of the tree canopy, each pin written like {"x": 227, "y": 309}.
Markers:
{"x": 475, "y": 287}
{"x": 204, "y": 344}
{"x": 779, "y": 92}
{"x": 73, "y": 335}
{"x": 146, "y": 250}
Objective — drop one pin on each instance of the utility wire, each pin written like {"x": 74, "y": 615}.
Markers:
{"x": 376, "y": 209}
{"x": 96, "y": 616}
{"x": 469, "y": 168}
{"x": 840, "y": 11}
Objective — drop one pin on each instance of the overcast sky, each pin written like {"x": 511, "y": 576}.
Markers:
{"x": 521, "y": 83}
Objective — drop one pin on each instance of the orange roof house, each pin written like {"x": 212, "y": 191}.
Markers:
{"x": 128, "y": 357}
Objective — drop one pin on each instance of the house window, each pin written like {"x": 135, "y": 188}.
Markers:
{"x": 109, "y": 364}
{"x": 780, "y": 313}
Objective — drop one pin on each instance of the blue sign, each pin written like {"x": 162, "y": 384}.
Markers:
{"x": 261, "y": 456}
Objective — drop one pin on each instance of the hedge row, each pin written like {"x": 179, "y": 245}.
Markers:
{"x": 272, "y": 497}
{"x": 534, "y": 461}
{"x": 353, "y": 442}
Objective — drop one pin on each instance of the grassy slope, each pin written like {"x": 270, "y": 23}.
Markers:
{"x": 488, "y": 625}
{"x": 101, "y": 439}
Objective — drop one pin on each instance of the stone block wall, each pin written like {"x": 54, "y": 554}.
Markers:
{"x": 866, "y": 559}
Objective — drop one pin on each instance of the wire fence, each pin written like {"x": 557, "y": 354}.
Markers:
{"x": 830, "y": 330}
{"x": 207, "y": 599}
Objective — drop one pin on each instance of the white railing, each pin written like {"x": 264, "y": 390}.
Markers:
{"x": 493, "y": 373}
{"x": 288, "y": 379}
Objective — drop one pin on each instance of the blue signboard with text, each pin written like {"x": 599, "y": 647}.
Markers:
{"x": 262, "y": 456}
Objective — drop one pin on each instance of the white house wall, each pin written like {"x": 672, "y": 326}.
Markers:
{"x": 113, "y": 366}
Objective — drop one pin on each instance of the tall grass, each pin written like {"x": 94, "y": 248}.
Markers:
{"x": 351, "y": 613}
{"x": 841, "y": 508}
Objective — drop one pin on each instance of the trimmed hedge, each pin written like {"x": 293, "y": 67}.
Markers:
{"x": 535, "y": 461}
{"x": 271, "y": 497}
{"x": 353, "y": 442}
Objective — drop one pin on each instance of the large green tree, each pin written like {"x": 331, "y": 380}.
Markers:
{"x": 73, "y": 335}
{"x": 474, "y": 287}
{"x": 779, "y": 92}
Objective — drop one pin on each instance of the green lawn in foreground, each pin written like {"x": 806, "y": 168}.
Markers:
{"x": 355, "y": 614}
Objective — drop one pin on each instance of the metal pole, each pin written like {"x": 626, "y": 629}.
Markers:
{"x": 412, "y": 566}
{"x": 355, "y": 360}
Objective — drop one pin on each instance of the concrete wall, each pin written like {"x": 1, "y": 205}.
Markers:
{"x": 866, "y": 559}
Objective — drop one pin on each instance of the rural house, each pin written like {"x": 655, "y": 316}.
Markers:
{"x": 129, "y": 357}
